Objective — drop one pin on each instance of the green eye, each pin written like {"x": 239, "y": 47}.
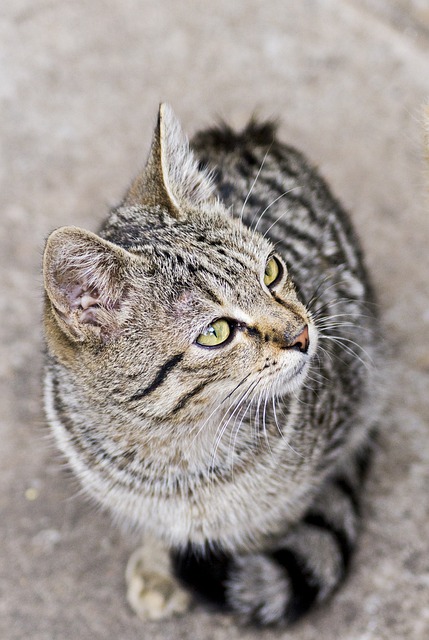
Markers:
{"x": 215, "y": 334}
{"x": 272, "y": 271}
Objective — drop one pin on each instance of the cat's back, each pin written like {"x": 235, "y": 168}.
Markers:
{"x": 274, "y": 189}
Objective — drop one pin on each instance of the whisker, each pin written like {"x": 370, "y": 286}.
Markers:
{"x": 333, "y": 355}
{"x": 325, "y": 351}
{"x": 264, "y": 422}
{"x": 333, "y": 285}
{"x": 280, "y": 431}
{"x": 237, "y": 429}
{"x": 226, "y": 420}
{"x": 359, "y": 305}
{"x": 318, "y": 293}
{"x": 254, "y": 181}
{"x": 275, "y": 222}
{"x": 338, "y": 340}
{"x": 321, "y": 313}
{"x": 342, "y": 338}
{"x": 218, "y": 406}
{"x": 257, "y": 414}
{"x": 227, "y": 417}
{"x": 271, "y": 204}
{"x": 321, "y": 321}
{"x": 324, "y": 326}
{"x": 345, "y": 315}
{"x": 314, "y": 296}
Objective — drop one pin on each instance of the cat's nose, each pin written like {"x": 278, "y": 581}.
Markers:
{"x": 300, "y": 342}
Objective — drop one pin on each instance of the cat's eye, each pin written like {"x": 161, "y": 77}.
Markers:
{"x": 215, "y": 334}
{"x": 273, "y": 271}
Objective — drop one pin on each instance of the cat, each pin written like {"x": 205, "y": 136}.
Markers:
{"x": 211, "y": 373}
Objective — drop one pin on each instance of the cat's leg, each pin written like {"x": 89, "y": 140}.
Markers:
{"x": 152, "y": 591}
{"x": 305, "y": 567}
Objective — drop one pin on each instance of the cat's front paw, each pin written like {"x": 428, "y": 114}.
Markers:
{"x": 152, "y": 592}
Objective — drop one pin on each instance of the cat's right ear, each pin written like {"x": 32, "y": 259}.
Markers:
{"x": 172, "y": 177}
{"x": 84, "y": 278}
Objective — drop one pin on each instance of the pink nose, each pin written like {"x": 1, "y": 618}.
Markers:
{"x": 301, "y": 342}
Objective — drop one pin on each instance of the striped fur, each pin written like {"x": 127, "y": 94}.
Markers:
{"x": 282, "y": 581}
{"x": 245, "y": 459}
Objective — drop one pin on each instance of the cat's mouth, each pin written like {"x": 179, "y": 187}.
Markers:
{"x": 287, "y": 373}
{"x": 278, "y": 379}
{"x": 294, "y": 375}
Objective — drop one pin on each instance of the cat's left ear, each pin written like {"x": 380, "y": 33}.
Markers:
{"x": 85, "y": 281}
{"x": 172, "y": 177}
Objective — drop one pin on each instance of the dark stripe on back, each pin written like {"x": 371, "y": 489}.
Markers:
{"x": 289, "y": 159}
{"x": 290, "y": 231}
{"x": 341, "y": 257}
{"x": 159, "y": 378}
{"x": 291, "y": 198}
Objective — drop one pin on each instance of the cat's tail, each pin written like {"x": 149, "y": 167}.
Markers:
{"x": 308, "y": 564}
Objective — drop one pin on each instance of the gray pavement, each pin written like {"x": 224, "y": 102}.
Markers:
{"x": 79, "y": 87}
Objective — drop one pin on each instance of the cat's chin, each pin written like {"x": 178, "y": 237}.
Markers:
{"x": 292, "y": 380}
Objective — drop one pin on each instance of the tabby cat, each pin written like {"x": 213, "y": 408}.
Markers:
{"x": 211, "y": 373}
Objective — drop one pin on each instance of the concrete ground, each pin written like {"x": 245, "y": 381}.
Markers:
{"x": 79, "y": 87}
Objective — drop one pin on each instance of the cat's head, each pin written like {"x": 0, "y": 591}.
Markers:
{"x": 178, "y": 308}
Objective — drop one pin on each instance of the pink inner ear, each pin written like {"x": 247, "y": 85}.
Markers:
{"x": 86, "y": 300}
{"x": 80, "y": 296}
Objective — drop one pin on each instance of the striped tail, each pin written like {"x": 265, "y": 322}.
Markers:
{"x": 308, "y": 564}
